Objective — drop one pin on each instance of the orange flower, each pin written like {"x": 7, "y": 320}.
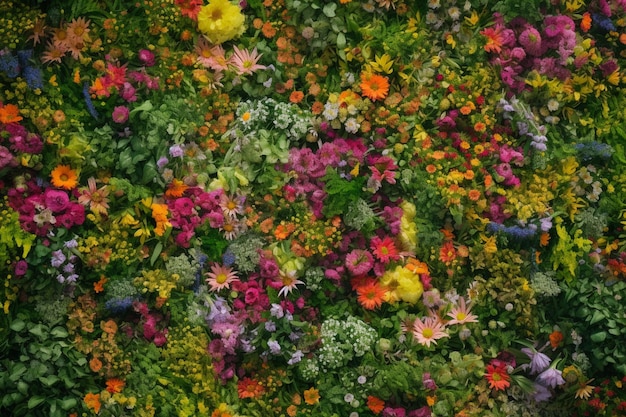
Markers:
{"x": 556, "y": 337}
{"x": 370, "y": 294}
{"x": 115, "y": 385}
{"x": 473, "y": 194}
{"x": 585, "y": 23}
{"x": 311, "y": 396}
{"x": 374, "y": 86}
{"x": 95, "y": 364}
{"x": 544, "y": 239}
{"x": 109, "y": 326}
{"x": 498, "y": 377}
{"x": 447, "y": 253}
{"x": 375, "y": 404}
{"x": 292, "y": 410}
{"x": 249, "y": 388}
{"x": 283, "y": 231}
{"x": 9, "y": 113}
{"x": 296, "y": 96}
{"x": 64, "y": 177}
{"x": 99, "y": 286}
{"x": 176, "y": 188}
{"x": 93, "y": 402}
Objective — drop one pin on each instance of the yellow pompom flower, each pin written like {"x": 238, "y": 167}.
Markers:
{"x": 220, "y": 21}
{"x": 405, "y": 285}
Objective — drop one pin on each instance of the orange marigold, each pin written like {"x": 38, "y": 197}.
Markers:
{"x": 63, "y": 176}
{"x": 9, "y": 113}
{"x": 374, "y": 86}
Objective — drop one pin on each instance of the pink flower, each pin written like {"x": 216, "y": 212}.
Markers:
{"x": 120, "y": 114}
{"x": 146, "y": 57}
{"x": 359, "y": 262}
{"x": 530, "y": 39}
{"x": 245, "y": 62}
{"x": 56, "y": 200}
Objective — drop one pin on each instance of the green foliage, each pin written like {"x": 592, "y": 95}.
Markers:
{"x": 41, "y": 373}
{"x": 341, "y": 192}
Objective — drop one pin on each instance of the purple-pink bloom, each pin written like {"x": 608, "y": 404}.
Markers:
{"x": 56, "y": 200}
{"x": 530, "y": 39}
{"x": 551, "y": 377}
{"x": 538, "y": 361}
{"x": 120, "y": 114}
{"x": 359, "y": 262}
{"x": 146, "y": 57}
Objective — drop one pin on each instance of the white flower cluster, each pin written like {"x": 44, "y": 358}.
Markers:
{"x": 344, "y": 340}
{"x": 267, "y": 114}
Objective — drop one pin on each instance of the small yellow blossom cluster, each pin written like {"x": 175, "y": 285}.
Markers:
{"x": 157, "y": 281}
{"x": 312, "y": 236}
{"x": 532, "y": 198}
{"x": 15, "y": 22}
{"x": 99, "y": 250}
{"x": 187, "y": 360}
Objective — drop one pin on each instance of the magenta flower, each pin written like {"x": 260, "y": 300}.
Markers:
{"x": 56, "y": 200}
{"x": 120, "y": 114}
{"x": 530, "y": 39}
{"x": 146, "y": 57}
{"x": 359, "y": 262}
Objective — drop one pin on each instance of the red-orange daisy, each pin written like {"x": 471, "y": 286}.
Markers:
{"x": 374, "y": 86}
{"x": 370, "y": 294}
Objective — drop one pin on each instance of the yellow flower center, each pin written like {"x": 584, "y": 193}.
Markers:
{"x": 221, "y": 278}
{"x": 428, "y": 333}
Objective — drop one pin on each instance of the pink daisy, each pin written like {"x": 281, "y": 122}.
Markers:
{"x": 461, "y": 313}
{"x": 245, "y": 62}
{"x": 427, "y": 331}
{"x": 220, "y": 277}
{"x": 289, "y": 282}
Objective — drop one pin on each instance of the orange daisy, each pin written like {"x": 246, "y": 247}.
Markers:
{"x": 374, "y": 86}
{"x": 375, "y": 404}
{"x": 249, "y": 388}
{"x": 63, "y": 176}
{"x": 371, "y": 294}
{"x": 176, "y": 188}
{"x": 9, "y": 113}
{"x": 498, "y": 377}
{"x": 115, "y": 385}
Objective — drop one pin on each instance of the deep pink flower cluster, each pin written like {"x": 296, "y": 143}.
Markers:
{"x": 42, "y": 209}
{"x": 524, "y": 47}
{"x": 16, "y": 140}
{"x": 192, "y": 210}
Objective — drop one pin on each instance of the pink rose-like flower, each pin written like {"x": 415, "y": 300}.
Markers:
{"x": 146, "y": 57}
{"x": 56, "y": 200}
{"x": 120, "y": 114}
{"x": 21, "y": 267}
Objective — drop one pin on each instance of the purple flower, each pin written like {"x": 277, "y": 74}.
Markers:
{"x": 538, "y": 361}
{"x": 58, "y": 257}
{"x": 162, "y": 162}
{"x": 359, "y": 262}
{"x": 120, "y": 114}
{"x": 428, "y": 382}
{"x": 277, "y": 311}
{"x": 295, "y": 357}
{"x": 274, "y": 347}
{"x": 530, "y": 39}
{"x": 551, "y": 377}
{"x": 176, "y": 151}
{"x": 541, "y": 393}
{"x": 21, "y": 267}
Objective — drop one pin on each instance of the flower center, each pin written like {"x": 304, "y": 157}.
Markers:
{"x": 221, "y": 278}
{"x": 216, "y": 15}
{"x": 428, "y": 333}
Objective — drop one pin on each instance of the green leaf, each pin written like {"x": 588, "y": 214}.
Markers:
{"x": 35, "y": 400}
{"x": 155, "y": 254}
{"x": 598, "y": 337}
{"x": 68, "y": 403}
{"x": 37, "y": 330}
{"x": 18, "y": 325}
{"x": 59, "y": 332}
{"x": 329, "y": 9}
{"x": 49, "y": 380}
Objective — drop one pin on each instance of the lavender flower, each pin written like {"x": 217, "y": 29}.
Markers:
{"x": 538, "y": 361}
{"x": 274, "y": 347}
{"x": 295, "y": 357}
{"x": 551, "y": 377}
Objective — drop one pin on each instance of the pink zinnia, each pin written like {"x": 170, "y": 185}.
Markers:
{"x": 56, "y": 200}
{"x": 530, "y": 39}
{"x": 359, "y": 262}
{"x": 245, "y": 62}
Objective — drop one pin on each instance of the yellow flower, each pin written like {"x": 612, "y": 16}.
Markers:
{"x": 404, "y": 285}
{"x": 311, "y": 396}
{"x": 220, "y": 21}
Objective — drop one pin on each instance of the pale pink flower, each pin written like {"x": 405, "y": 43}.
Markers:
{"x": 220, "y": 277}
{"x": 461, "y": 313}
{"x": 428, "y": 331}
{"x": 245, "y": 62}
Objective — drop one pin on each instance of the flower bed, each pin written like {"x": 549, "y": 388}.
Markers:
{"x": 285, "y": 208}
